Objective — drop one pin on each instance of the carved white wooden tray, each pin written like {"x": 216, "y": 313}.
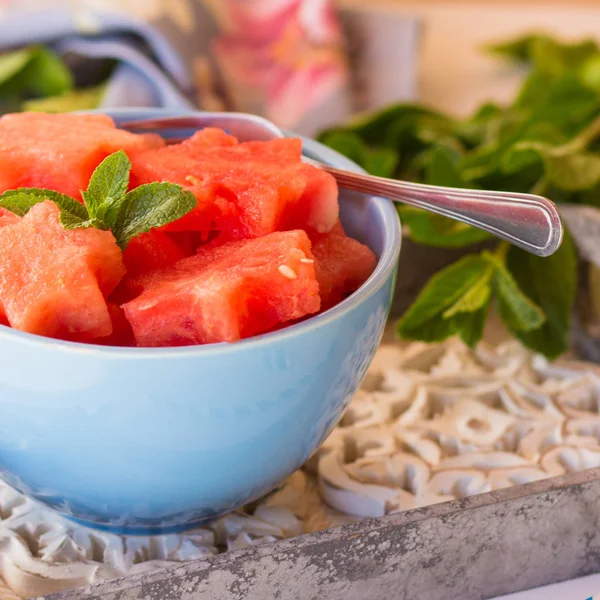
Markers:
{"x": 431, "y": 423}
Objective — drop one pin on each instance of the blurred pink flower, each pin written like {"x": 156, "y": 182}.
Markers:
{"x": 280, "y": 57}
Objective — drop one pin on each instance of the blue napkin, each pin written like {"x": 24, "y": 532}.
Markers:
{"x": 137, "y": 81}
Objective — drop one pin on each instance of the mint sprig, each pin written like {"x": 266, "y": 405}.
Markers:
{"x": 551, "y": 284}
{"x": 148, "y": 206}
{"x": 31, "y": 73}
{"x": 107, "y": 203}
{"x": 546, "y": 141}
{"x": 456, "y": 301}
{"x": 19, "y": 201}
{"x": 108, "y": 186}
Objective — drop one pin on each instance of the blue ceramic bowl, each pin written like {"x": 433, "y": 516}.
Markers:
{"x": 153, "y": 440}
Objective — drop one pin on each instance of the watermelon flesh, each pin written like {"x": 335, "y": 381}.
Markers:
{"x": 263, "y": 249}
{"x": 342, "y": 265}
{"x": 121, "y": 334}
{"x": 7, "y": 217}
{"x": 244, "y": 190}
{"x": 60, "y": 151}
{"x": 54, "y": 282}
{"x": 150, "y": 251}
{"x": 227, "y": 293}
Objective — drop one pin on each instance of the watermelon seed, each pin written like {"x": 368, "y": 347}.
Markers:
{"x": 287, "y": 272}
{"x": 193, "y": 180}
{"x": 307, "y": 261}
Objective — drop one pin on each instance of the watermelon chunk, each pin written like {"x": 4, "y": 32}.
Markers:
{"x": 244, "y": 190}
{"x": 150, "y": 251}
{"x": 121, "y": 330}
{"x": 53, "y": 281}
{"x": 7, "y": 217}
{"x": 61, "y": 151}
{"x": 342, "y": 265}
{"x": 227, "y": 293}
{"x": 188, "y": 241}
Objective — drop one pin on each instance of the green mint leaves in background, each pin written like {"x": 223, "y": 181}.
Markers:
{"x": 546, "y": 142}
{"x": 456, "y": 301}
{"x": 36, "y": 79}
{"x": 69, "y": 101}
{"x": 107, "y": 203}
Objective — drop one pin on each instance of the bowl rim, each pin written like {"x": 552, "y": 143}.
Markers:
{"x": 392, "y": 239}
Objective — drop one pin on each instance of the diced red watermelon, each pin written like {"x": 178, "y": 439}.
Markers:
{"x": 259, "y": 209}
{"x": 188, "y": 241}
{"x": 61, "y": 151}
{"x": 150, "y": 251}
{"x": 227, "y": 293}
{"x": 7, "y": 217}
{"x": 209, "y": 138}
{"x": 54, "y": 281}
{"x": 338, "y": 229}
{"x": 342, "y": 265}
{"x": 243, "y": 190}
{"x": 121, "y": 335}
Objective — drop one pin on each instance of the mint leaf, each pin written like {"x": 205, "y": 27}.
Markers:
{"x": 442, "y": 170}
{"x": 574, "y": 172}
{"x": 590, "y": 72}
{"x": 19, "y": 201}
{"x": 470, "y": 325}
{"x": 550, "y": 283}
{"x": 517, "y": 311}
{"x": 545, "y": 53}
{"x": 107, "y": 203}
{"x": 37, "y": 72}
{"x": 546, "y": 141}
{"x": 436, "y": 329}
{"x": 46, "y": 74}
{"x": 68, "y": 101}
{"x": 551, "y": 56}
{"x": 424, "y": 319}
{"x": 69, "y": 221}
{"x": 522, "y": 155}
{"x": 435, "y": 230}
{"x": 148, "y": 206}
{"x": 482, "y": 126}
{"x": 107, "y": 188}
{"x": 564, "y": 101}
{"x": 12, "y": 63}
{"x": 519, "y": 49}
{"x": 475, "y": 298}
{"x": 527, "y": 153}
{"x": 377, "y": 126}
{"x": 381, "y": 162}
{"x": 347, "y": 143}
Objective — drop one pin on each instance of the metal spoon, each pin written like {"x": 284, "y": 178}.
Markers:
{"x": 525, "y": 220}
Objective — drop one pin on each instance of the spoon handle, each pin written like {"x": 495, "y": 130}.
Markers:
{"x": 527, "y": 221}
